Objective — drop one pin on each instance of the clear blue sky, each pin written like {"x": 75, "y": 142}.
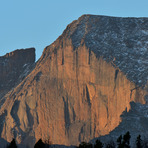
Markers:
{"x": 37, "y": 23}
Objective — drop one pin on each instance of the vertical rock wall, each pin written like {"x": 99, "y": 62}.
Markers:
{"x": 70, "y": 96}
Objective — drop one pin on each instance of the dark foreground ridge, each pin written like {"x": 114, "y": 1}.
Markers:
{"x": 123, "y": 141}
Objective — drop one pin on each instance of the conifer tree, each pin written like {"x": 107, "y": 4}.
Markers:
{"x": 139, "y": 142}
{"x": 119, "y": 142}
{"x": 39, "y": 144}
{"x": 126, "y": 140}
{"x": 12, "y": 144}
{"x": 98, "y": 144}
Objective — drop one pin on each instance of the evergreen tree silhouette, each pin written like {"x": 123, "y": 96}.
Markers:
{"x": 119, "y": 142}
{"x": 39, "y": 144}
{"x": 98, "y": 144}
{"x": 139, "y": 142}
{"x": 12, "y": 144}
{"x": 126, "y": 140}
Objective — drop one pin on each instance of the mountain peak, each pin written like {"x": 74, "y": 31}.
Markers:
{"x": 12, "y": 65}
{"x": 81, "y": 85}
{"x": 116, "y": 39}
{"x": 21, "y": 52}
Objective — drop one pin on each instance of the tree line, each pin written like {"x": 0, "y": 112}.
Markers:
{"x": 123, "y": 141}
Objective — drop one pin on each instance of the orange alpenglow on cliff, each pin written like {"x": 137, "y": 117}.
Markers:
{"x": 80, "y": 86}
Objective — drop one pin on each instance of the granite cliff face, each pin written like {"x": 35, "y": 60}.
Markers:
{"x": 81, "y": 84}
{"x": 12, "y": 65}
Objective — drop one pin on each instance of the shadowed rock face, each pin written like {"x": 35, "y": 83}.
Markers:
{"x": 12, "y": 65}
{"x": 79, "y": 87}
{"x": 135, "y": 121}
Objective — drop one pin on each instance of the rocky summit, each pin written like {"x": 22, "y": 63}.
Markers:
{"x": 81, "y": 85}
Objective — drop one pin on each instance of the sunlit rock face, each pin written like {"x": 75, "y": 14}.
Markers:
{"x": 12, "y": 65}
{"x": 81, "y": 84}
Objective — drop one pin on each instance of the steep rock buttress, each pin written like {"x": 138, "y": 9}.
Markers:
{"x": 81, "y": 84}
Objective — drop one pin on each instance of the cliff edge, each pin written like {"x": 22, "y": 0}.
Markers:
{"x": 81, "y": 84}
